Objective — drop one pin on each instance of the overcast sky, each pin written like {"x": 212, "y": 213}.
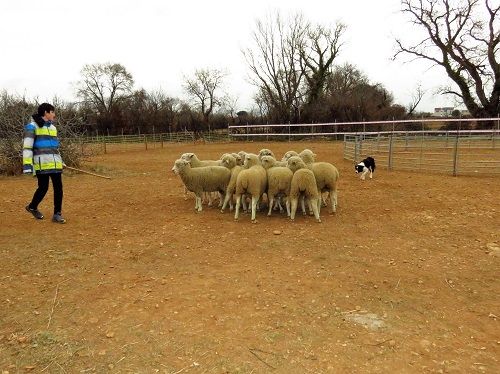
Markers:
{"x": 46, "y": 43}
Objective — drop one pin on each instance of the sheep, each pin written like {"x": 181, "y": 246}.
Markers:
{"x": 278, "y": 182}
{"x": 326, "y": 176}
{"x": 229, "y": 161}
{"x": 303, "y": 183}
{"x": 196, "y": 162}
{"x": 265, "y": 152}
{"x": 242, "y": 154}
{"x": 289, "y": 154}
{"x": 239, "y": 159}
{"x": 252, "y": 180}
{"x": 202, "y": 179}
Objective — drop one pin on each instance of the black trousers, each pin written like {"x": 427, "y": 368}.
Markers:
{"x": 43, "y": 187}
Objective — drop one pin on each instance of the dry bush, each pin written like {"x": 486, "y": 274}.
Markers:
{"x": 17, "y": 111}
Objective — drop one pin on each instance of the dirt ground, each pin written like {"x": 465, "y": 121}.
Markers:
{"x": 404, "y": 278}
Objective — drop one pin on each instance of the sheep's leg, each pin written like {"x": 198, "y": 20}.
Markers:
{"x": 315, "y": 203}
{"x": 221, "y": 199}
{"x": 255, "y": 200}
{"x": 310, "y": 206}
{"x": 371, "y": 173}
{"x": 271, "y": 203}
{"x": 287, "y": 203}
{"x": 244, "y": 203}
{"x": 324, "y": 197}
{"x": 278, "y": 204}
{"x": 185, "y": 193}
{"x": 333, "y": 199}
{"x": 237, "y": 210}
{"x": 197, "y": 203}
{"x": 303, "y": 205}
{"x": 228, "y": 198}
{"x": 293, "y": 208}
{"x": 210, "y": 198}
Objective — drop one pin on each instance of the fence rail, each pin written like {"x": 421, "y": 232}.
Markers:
{"x": 148, "y": 140}
{"x": 336, "y": 130}
{"x": 459, "y": 153}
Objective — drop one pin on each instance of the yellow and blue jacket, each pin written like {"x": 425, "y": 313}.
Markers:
{"x": 41, "y": 149}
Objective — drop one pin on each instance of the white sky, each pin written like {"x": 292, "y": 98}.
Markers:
{"x": 46, "y": 43}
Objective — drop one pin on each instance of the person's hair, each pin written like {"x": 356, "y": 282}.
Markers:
{"x": 45, "y": 107}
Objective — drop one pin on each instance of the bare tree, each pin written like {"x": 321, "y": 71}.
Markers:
{"x": 463, "y": 38}
{"x": 275, "y": 65}
{"x": 104, "y": 85}
{"x": 206, "y": 89}
{"x": 415, "y": 100}
{"x": 318, "y": 50}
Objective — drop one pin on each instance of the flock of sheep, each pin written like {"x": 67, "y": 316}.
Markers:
{"x": 238, "y": 176}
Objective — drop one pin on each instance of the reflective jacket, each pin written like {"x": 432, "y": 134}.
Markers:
{"x": 41, "y": 149}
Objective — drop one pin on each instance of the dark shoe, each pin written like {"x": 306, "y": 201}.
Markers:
{"x": 36, "y": 213}
{"x": 57, "y": 218}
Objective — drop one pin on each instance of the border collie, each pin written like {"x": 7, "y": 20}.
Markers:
{"x": 365, "y": 166}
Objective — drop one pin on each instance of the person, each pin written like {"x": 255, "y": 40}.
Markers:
{"x": 41, "y": 158}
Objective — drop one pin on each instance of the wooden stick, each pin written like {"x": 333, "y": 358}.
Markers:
{"x": 86, "y": 172}
{"x": 260, "y": 359}
{"x": 54, "y": 302}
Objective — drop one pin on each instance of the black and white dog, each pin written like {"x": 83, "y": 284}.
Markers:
{"x": 365, "y": 166}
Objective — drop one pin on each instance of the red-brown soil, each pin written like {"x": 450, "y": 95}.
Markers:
{"x": 404, "y": 278}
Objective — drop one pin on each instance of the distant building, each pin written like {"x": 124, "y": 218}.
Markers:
{"x": 443, "y": 112}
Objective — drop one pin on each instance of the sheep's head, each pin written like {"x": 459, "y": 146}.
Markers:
{"x": 289, "y": 154}
{"x": 179, "y": 165}
{"x": 238, "y": 158}
{"x": 242, "y": 155}
{"x": 295, "y": 163}
{"x": 265, "y": 152}
{"x": 250, "y": 160}
{"x": 228, "y": 161}
{"x": 308, "y": 156}
{"x": 267, "y": 161}
{"x": 187, "y": 156}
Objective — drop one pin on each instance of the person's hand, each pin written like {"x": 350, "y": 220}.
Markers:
{"x": 28, "y": 170}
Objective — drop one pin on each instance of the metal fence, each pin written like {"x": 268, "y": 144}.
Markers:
{"x": 337, "y": 130}
{"x": 149, "y": 141}
{"x": 469, "y": 152}
{"x": 457, "y": 152}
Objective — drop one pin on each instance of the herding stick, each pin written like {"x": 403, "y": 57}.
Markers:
{"x": 86, "y": 172}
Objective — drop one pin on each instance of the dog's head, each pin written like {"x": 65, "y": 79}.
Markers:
{"x": 359, "y": 167}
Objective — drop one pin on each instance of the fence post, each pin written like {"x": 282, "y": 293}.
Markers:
{"x": 422, "y": 141}
{"x": 289, "y": 135}
{"x": 161, "y": 140}
{"x": 146, "y": 141}
{"x": 389, "y": 164}
{"x": 345, "y": 145}
{"x": 494, "y": 135}
{"x": 455, "y": 156}
{"x": 356, "y": 148}
{"x": 104, "y": 141}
